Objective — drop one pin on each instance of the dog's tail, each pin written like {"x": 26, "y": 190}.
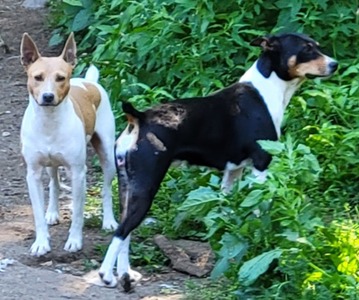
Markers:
{"x": 92, "y": 74}
{"x": 132, "y": 112}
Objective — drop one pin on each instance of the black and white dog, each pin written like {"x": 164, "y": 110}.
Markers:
{"x": 220, "y": 131}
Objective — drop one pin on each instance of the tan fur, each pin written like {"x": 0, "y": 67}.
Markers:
{"x": 52, "y": 74}
{"x": 48, "y": 74}
{"x": 313, "y": 67}
{"x": 86, "y": 101}
{"x": 155, "y": 141}
{"x": 50, "y": 70}
{"x": 168, "y": 115}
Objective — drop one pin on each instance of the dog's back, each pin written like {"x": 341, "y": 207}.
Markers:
{"x": 238, "y": 118}
{"x": 87, "y": 97}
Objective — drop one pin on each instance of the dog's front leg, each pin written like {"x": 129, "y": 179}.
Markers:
{"x": 74, "y": 242}
{"x": 41, "y": 245}
{"x": 261, "y": 176}
{"x": 52, "y": 212}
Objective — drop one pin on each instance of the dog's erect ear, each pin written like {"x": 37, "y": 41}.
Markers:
{"x": 28, "y": 51}
{"x": 267, "y": 43}
{"x": 69, "y": 52}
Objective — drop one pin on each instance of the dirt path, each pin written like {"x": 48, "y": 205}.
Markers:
{"x": 47, "y": 277}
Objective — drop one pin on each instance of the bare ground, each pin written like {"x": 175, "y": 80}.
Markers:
{"x": 52, "y": 276}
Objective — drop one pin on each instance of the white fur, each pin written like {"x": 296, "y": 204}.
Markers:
{"x": 118, "y": 249}
{"x": 275, "y": 92}
{"x": 106, "y": 270}
{"x": 124, "y": 144}
{"x": 92, "y": 74}
{"x": 53, "y": 136}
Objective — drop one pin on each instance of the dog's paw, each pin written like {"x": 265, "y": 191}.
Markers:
{"x": 109, "y": 225}
{"x": 52, "y": 218}
{"x": 134, "y": 275}
{"x": 73, "y": 244}
{"x": 108, "y": 278}
{"x": 125, "y": 281}
{"x": 40, "y": 247}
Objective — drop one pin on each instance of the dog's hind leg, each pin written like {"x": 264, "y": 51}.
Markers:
{"x": 104, "y": 147}
{"x": 124, "y": 272}
{"x": 41, "y": 245}
{"x": 141, "y": 173}
{"x": 52, "y": 212}
{"x": 138, "y": 205}
{"x": 103, "y": 141}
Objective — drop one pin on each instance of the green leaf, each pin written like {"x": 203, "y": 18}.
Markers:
{"x": 220, "y": 267}
{"x": 81, "y": 20}
{"x": 56, "y": 39}
{"x": 233, "y": 246}
{"x": 115, "y": 3}
{"x": 252, "y": 269}
{"x": 253, "y": 198}
{"x": 87, "y": 3}
{"x": 273, "y": 147}
{"x": 200, "y": 199}
{"x": 73, "y": 2}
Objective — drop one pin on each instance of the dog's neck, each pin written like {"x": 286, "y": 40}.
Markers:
{"x": 275, "y": 91}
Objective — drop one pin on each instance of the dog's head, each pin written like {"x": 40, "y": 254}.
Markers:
{"x": 293, "y": 55}
{"x": 48, "y": 77}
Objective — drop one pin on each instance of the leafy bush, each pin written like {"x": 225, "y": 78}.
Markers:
{"x": 294, "y": 236}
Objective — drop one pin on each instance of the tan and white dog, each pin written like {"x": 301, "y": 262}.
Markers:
{"x": 62, "y": 116}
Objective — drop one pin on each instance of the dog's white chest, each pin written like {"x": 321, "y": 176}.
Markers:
{"x": 52, "y": 140}
{"x": 44, "y": 150}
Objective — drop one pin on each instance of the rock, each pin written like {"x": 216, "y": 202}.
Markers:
{"x": 191, "y": 257}
{"x": 34, "y": 3}
{"x": 47, "y": 264}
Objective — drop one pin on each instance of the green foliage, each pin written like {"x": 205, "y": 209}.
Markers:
{"x": 294, "y": 237}
{"x": 278, "y": 229}
{"x": 219, "y": 290}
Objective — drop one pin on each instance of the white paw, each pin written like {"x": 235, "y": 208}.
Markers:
{"x": 52, "y": 218}
{"x": 108, "y": 278}
{"x": 40, "y": 247}
{"x": 73, "y": 244}
{"x": 134, "y": 275}
{"x": 109, "y": 224}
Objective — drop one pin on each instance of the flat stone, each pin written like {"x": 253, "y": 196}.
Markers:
{"x": 191, "y": 257}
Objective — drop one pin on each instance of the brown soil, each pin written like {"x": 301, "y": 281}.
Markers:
{"x": 51, "y": 276}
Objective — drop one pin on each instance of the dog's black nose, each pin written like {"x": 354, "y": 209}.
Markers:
{"x": 333, "y": 66}
{"x": 48, "y": 97}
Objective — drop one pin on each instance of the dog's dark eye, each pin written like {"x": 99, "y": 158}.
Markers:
{"x": 60, "y": 78}
{"x": 308, "y": 48}
{"x": 38, "y": 78}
